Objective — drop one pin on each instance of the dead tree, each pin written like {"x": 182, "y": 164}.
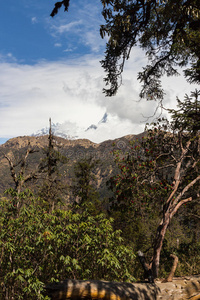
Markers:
{"x": 18, "y": 174}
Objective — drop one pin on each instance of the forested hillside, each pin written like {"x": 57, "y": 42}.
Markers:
{"x": 72, "y": 150}
{"x": 79, "y": 210}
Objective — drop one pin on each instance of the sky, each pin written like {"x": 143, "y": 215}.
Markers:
{"x": 50, "y": 67}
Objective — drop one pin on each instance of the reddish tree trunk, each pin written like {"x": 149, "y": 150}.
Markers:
{"x": 171, "y": 274}
{"x": 158, "y": 244}
{"x": 161, "y": 230}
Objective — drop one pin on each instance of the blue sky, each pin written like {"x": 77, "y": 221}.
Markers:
{"x": 29, "y": 33}
{"x": 50, "y": 68}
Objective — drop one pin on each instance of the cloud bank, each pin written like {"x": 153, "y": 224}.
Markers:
{"x": 72, "y": 91}
{"x": 67, "y": 85}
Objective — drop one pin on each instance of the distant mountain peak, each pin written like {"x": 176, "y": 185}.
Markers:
{"x": 91, "y": 127}
{"x": 104, "y": 119}
{"x": 58, "y": 129}
{"x": 109, "y": 127}
{"x": 69, "y": 130}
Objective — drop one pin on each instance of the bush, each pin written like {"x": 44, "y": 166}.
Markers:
{"x": 37, "y": 247}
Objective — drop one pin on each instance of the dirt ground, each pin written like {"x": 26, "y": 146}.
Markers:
{"x": 180, "y": 288}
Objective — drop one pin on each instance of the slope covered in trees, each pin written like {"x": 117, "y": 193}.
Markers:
{"x": 151, "y": 204}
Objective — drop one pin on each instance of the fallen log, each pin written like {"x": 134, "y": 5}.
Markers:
{"x": 103, "y": 290}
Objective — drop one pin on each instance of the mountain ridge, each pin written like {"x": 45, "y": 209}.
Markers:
{"x": 22, "y": 140}
{"x": 108, "y": 127}
{"x": 73, "y": 150}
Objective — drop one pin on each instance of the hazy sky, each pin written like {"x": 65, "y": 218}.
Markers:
{"x": 50, "y": 68}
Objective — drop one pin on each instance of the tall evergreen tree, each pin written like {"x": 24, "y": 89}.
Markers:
{"x": 52, "y": 188}
{"x": 84, "y": 184}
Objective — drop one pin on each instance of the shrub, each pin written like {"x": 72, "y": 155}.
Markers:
{"x": 37, "y": 247}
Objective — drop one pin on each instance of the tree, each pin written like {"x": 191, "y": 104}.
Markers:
{"x": 161, "y": 172}
{"x": 169, "y": 32}
{"x": 58, "y": 5}
{"x": 83, "y": 188}
{"x": 52, "y": 188}
{"x": 20, "y": 176}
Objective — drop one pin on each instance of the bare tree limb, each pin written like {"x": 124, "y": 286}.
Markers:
{"x": 173, "y": 269}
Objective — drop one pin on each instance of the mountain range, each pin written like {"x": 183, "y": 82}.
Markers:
{"x": 109, "y": 127}
{"x": 73, "y": 149}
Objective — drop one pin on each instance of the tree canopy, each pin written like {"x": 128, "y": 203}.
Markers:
{"x": 168, "y": 31}
{"x": 161, "y": 171}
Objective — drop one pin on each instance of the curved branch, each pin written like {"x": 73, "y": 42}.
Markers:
{"x": 179, "y": 205}
{"x": 186, "y": 188}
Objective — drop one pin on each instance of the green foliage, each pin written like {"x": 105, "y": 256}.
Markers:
{"x": 187, "y": 117}
{"x": 158, "y": 175}
{"x": 134, "y": 188}
{"x": 167, "y": 30}
{"x": 83, "y": 188}
{"x": 189, "y": 259}
{"x": 38, "y": 247}
{"x": 58, "y": 5}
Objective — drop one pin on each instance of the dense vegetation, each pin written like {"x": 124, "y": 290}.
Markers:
{"x": 161, "y": 172}
{"x": 151, "y": 204}
{"x": 39, "y": 247}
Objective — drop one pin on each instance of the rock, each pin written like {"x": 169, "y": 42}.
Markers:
{"x": 180, "y": 288}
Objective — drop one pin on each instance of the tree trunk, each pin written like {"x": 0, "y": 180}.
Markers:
{"x": 103, "y": 290}
{"x": 161, "y": 230}
{"x": 147, "y": 270}
{"x": 171, "y": 274}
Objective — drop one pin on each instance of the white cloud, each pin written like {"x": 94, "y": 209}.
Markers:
{"x": 90, "y": 39}
{"x": 70, "y": 49}
{"x": 71, "y": 91}
{"x": 113, "y": 129}
{"x": 80, "y": 26}
{"x": 31, "y": 94}
{"x": 73, "y": 26}
{"x": 34, "y": 20}
{"x": 8, "y": 57}
{"x": 58, "y": 45}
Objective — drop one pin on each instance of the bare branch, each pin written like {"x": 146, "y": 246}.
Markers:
{"x": 174, "y": 191}
{"x": 186, "y": 188}
{"x": 12, "y": 170}
{"x": 179, "y": 205}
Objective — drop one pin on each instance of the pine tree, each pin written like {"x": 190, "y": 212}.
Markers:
{"x": 83, "y": 189}
{"x": 52, "y": 188}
